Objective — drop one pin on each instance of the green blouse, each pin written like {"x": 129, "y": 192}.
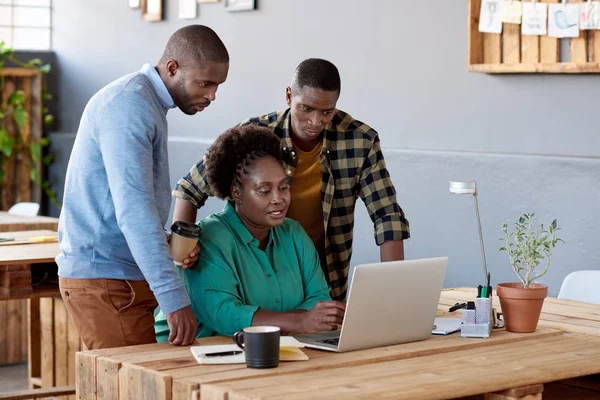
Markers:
{"x": 233, "y": 277}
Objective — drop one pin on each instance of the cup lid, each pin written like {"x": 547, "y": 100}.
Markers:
{"x": 186, "y": 229}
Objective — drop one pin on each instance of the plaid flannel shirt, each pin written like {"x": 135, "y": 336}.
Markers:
{"x": 353, "y": 166}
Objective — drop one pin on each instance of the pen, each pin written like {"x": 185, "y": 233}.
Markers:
{"x": 223, "y": 353}
{"x": 489, "y": 289}
{"x": 457, "y": 306}
{"x": 479, "y": 290}
{"x": 484, "y": 292}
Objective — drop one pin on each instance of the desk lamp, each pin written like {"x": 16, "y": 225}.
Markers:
{"x": 470, "y": 187}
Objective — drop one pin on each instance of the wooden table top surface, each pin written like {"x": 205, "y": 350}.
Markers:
{"x": 29, "y": 253}
{"x": 566, "y": 345}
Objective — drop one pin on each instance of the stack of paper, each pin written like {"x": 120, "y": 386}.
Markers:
{"x": 289, "y": 350}
{"x": 446, "y": 326}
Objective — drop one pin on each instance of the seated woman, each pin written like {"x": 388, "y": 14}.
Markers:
{"x": 255, "y": 266}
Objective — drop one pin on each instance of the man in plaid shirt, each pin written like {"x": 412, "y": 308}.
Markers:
{"x": 331, "y": 159}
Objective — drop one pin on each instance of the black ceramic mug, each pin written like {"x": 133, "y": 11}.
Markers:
{"x": 260, "y": 345}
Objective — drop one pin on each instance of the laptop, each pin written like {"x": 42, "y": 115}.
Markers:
{"x": 388, "y": 303}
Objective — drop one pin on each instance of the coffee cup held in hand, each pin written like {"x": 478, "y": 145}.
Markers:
{"x": 184, "y": 236}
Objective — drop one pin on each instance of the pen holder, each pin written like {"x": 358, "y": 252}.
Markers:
{"x": 483, "y": 310}
{"x": 483, "y": 324}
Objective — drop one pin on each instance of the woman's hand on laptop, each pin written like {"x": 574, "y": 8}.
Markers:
{"x": 324, "y": 316}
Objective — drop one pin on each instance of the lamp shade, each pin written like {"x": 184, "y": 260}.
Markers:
{"x": 463, "y": 187}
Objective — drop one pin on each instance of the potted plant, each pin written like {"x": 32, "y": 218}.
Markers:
{"x": 529, "y": 249}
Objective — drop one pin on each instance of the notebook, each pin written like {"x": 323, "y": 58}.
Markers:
{"x": 289, "y": 350}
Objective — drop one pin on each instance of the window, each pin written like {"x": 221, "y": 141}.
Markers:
{"x": 26, "y": 24}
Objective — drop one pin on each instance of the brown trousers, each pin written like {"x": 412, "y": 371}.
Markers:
{"x": 110, "y": 312}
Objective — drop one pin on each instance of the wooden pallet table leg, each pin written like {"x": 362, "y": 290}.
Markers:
{"x": 34, "y": 343}
{"x": 61, "y": 343}
{"x": 531, "y": 392}
{"x": 74, "y": 345}
{"x": 47, "y": 329}
{"x": 86, "y": 376}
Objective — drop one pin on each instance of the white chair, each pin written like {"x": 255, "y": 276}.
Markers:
{"x": 25, "y": 209}
{"x": 581, "y": 286}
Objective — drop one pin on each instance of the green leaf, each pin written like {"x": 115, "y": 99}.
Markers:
{"x": 48, "y": 119}
{"x": 47, "y": 160}
{"x": 16, "y": 98}
{"x": 4, "y": 49}
{"x": 34, "y": 175}
{"x": 6, "y": 143}
{"x": 47, "y": 96}
{"x": 20, "y": 117}
{"x": 35, "y": 150}
{"x": 45, "y": 68}
{"x": 44, "y": 142}
{"x": 6, "y": 147}
{"x": 35, "y": 61}
{"x": 502, "y": 249}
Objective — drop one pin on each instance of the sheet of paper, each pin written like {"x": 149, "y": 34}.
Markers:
{"x": 490, "y": 17}
{"x": 589, "y": 16}
{"x": 563, "y": 20}
{"x": 535, "y": 18}
{"x": 446, "y": 326}
{"x": 512, "y": 10}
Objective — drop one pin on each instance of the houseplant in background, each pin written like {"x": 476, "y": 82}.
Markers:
{"x": 15, "y": 139}
{"x": 529, "y": 249}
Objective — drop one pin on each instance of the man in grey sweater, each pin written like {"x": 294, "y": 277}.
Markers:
{"x": 114, "y": 263}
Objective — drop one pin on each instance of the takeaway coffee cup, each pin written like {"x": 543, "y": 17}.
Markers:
{"x": 184, "y": 236}
{"x": 260, "y": 345}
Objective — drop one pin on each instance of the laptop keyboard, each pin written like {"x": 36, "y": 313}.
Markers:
{"x": 334, "y": 341}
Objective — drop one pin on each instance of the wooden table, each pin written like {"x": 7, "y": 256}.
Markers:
{"x": 52, "y": 338}
{"x": 14, "y": 223}
{"x": 566, "y": 345}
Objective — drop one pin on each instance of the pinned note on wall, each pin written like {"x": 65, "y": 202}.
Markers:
{"x": 535, "y": 16}
{"x": 490, "y": 17}
{"x": 512, "y": 10}
{"x": 563, "y": 20}
{"x": 589, "y": 16}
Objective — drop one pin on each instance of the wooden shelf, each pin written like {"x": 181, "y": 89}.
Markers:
{"x": 539, "y": 68}
{"x": 19, "y": 72}
{"x": 513, "y": 53}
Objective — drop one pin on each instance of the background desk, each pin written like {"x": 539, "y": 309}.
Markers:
{"x": 13, "y": 223}
{"x": 38, "y": 328}
{"x": 431, "y": 369}
{"x": 13, "y": 345}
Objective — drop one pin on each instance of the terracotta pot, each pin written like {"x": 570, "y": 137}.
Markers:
{"x": 521, "y": 307}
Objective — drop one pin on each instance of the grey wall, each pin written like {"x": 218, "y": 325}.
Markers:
{"x": 529, "y": 141}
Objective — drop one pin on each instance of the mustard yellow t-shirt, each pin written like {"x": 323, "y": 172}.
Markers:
{"x": 306, "y": 207}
